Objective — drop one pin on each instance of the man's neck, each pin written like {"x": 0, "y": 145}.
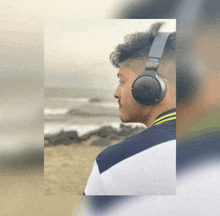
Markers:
{"x": 153, "y": 115}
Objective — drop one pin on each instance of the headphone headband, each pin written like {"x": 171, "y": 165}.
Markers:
{"x": 158, "y": 45}
{"x": 156, "y": 51}
{"x": 150, "y": 88}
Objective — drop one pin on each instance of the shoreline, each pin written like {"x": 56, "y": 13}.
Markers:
{"x": 69, "y": 158}
{"x": 104, "y": 136}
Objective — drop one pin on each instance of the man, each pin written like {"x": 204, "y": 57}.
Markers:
{"x": 146, "y": 162}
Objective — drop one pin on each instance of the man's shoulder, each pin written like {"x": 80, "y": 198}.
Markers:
{"x": 138, "y": 143}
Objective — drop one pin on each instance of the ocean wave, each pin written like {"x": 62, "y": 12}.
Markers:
{"x": 110, "y": 105}
{"x": 97, "y": 113}
{"x": 79, "y": 100}
{"x": 54, "y": 112}
{"x": 51, "y": 129}
{"x": 57, "y": 111}
{"x": 93, "y": 101}
{"x": 81, "y": 129}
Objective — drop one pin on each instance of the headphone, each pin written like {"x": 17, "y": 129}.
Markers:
{"x": 150, "y": 88}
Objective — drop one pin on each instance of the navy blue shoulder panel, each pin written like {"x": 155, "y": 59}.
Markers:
{"x": 197, "y": 151}
{"x": 150, "y": 137}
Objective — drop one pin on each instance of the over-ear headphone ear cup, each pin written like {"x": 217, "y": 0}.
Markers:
{"x": 147, "y": 90}
{"x": 150, "y": 88}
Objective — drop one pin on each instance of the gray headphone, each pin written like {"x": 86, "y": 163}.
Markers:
{"x": 150, "y": 88}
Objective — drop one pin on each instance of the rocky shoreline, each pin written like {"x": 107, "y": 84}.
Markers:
{"x": 106, "y": 136}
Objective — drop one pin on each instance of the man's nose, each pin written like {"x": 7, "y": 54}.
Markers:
{"x": 116, "y": 94}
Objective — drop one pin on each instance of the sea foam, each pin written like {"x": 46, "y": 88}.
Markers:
{"x": 53, "y": 129}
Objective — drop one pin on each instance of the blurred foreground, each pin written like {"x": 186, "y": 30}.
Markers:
{"x": 22, "y": 133}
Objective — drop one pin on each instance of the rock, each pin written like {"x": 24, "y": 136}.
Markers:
{"x": 123, "y": 126}
{"x": 95, "y": 100}
{"x": 114, "y": 137}
{"x": 46, "y": 142}
{"x": 60, "y": 138}
{"x": 65, "y": 138}
{"x": 48, "y": 136}
{"x": 85, "y": 137}
{"x": 69, "y": 142}
{"x": 73, "y": 135}
{"x": 106, "y": 131}
{"x": 111, "y": 133}
{"x": 101, "y": 142}
{"x": 125, "y": 132}
{"x": 88, "y": 135}
{"x": 138, "y": 129}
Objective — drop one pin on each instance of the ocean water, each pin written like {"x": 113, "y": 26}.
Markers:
{"x": 81, "y": 110}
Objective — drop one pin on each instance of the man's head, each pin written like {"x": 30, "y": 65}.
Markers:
{"x": 131, "y": 58}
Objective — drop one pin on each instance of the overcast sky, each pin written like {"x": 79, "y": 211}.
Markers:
{"x": 77, "y": 40}
{"x": 77, "y": 51}
{"x": 66, "y": 9}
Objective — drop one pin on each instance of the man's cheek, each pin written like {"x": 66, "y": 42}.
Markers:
{"x": 127, "y": 92}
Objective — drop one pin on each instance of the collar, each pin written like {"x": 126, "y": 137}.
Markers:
{"x": 165, "y": 117}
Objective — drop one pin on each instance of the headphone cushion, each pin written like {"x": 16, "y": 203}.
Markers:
{"x": 147, "y": 90}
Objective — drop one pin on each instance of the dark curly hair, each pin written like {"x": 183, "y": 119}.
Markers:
{"x": 137, "y": 46}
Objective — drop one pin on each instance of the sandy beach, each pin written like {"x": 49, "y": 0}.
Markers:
{"x": 78, "y": 125}
{"x": 66, "y": 171}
